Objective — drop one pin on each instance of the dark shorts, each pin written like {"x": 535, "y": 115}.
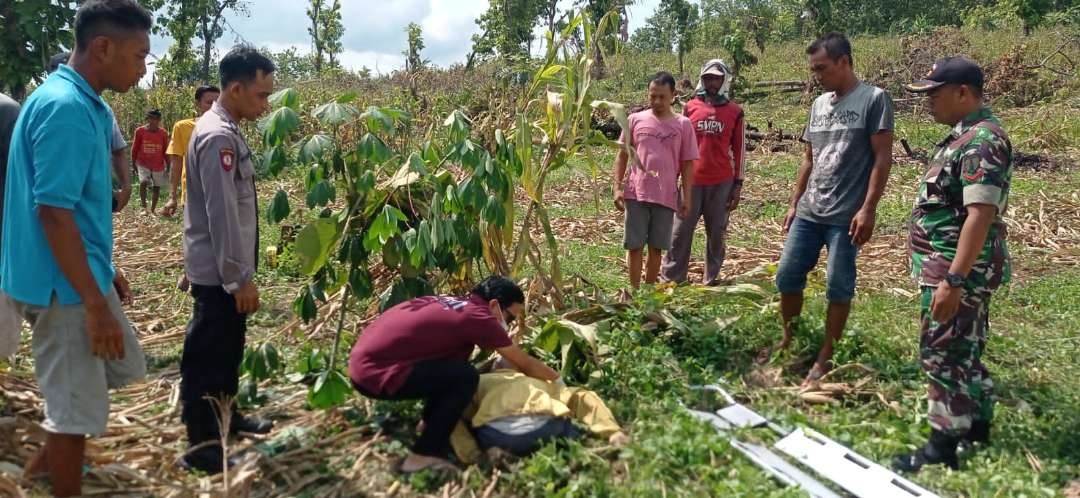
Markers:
{"x": 525, "y": 444}
{"x": 649, "y": 224}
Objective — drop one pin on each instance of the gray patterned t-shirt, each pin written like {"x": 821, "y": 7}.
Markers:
{"x": 839, "y": 136}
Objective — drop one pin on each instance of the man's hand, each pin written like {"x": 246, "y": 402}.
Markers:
{"x": 945, "y": 302}
{"x": 106, "y": 339}
{"x": 862, "y": 226}
{"x": 734, "y": 198}
{"x": 620, "y": 202}
{"x": 123, "y": 288}
{"x": 788, "y": 219}
{"x": 122, "y": 197}
{"x": 684, "y": 208}
{"x": 247, "y": 299}
{"x": 527, "y": 364}
{"x": 169, "y": 209}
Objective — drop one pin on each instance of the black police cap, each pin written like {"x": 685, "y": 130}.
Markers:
{"x": 950, "y": 70}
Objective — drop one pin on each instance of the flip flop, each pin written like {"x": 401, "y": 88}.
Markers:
{"x": 813, "y": 377}
{"x": 764, "y": 356}
{"x": 437, "y": 467}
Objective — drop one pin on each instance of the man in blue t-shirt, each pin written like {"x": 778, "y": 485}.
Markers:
{"x": 56, "y": 262}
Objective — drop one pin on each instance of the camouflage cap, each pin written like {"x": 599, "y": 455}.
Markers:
{"x": 950, "y": 70}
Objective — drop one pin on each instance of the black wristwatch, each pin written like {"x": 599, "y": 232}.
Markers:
{"x": 955, "y": 279}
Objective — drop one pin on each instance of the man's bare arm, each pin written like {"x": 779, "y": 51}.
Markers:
{"x": 801, "y": 182}
{"x": 973, "y": 237}
{"x": 620, "y": 178}
{"x": 527, "y": 364}
{"x": 803, "y": 178}
{"x": 862, "y": 224}
{"x": 65, "y": 243}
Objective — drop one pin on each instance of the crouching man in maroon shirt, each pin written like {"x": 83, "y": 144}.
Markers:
{"x": 420, "y": 349}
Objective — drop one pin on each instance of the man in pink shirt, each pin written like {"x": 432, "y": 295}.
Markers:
{"x": 665, "y": 148}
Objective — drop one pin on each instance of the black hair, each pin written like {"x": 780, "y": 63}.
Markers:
{"x": 108, "y": 17}
{"x": 501, "y": 288}
{"x": 56, "y": 60}
{"x": 664, "y": 78}
{"x": 153, "y": 113}
{"x": 836, "y": 44}
{"x": 242, "y": 64}
{"x": 204, "y": 89}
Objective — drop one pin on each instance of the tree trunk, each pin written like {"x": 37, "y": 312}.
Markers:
{"x": 316, "y": 38}
{"x": 205, "y": 34}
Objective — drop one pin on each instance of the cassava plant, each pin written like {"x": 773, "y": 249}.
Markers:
{"x": 410, "y": 215}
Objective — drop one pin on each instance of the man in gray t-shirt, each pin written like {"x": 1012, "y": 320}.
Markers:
{"x": 838, "y": 133}
{"x": 122, "y": 192}
{"x": 841, "y": 179}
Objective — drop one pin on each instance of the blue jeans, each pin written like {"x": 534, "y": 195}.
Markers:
{"x": 801, "y": 251}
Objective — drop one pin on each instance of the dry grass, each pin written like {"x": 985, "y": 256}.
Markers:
{"x": 329, "y": 456}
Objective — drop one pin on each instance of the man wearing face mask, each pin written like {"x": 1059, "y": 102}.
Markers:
{"x": 718, "y": 174}
{"x": 420, "y": 349}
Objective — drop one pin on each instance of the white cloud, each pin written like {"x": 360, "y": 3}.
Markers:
{"x": 377, "y": 62}
{"x": 374, "y": 29}
{"x": 452, "y": 20}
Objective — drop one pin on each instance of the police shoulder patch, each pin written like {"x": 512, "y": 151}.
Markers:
{"x": 227, "y": 157}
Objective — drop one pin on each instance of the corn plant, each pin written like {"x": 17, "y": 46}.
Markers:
{"x": 552, "y": 126}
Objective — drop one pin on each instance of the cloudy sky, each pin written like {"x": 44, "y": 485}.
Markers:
{"x": 374, "y": 29}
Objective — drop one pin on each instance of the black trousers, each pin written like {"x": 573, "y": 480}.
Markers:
{"x": 447, "y": 387}
{"x": 210, "y": 363}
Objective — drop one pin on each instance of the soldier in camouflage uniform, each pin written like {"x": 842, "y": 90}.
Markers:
{"x": 958, "y": 258}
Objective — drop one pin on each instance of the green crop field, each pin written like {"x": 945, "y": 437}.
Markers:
{"x": 332, "y": 442}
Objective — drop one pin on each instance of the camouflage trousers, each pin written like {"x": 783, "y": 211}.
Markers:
{"x": 959, "y": 390}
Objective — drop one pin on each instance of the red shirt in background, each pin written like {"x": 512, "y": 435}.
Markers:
{"x": 721, "y": 143}
{"x": 148, "y": 148}
{"x": 422, "y": 329}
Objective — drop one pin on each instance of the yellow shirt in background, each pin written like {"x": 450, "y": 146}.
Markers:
{"x": 178, "y": 145}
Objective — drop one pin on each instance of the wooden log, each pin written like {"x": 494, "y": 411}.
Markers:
{"x": 762, "y": 84}
{"x": 762, "y": 93}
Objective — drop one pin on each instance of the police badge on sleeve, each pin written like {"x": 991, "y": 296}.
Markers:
{"x": 228, "y": 158}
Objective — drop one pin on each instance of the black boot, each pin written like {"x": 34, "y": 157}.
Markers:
{"x": 206, "y": 459}
{"x": 940, "y": 449}
{"x": 204, "y": 450}
{"x": 979, "y": 432}
{"x": 250, "y": 425}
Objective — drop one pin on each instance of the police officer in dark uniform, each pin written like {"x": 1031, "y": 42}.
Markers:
{"x": 221, "y": 245}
